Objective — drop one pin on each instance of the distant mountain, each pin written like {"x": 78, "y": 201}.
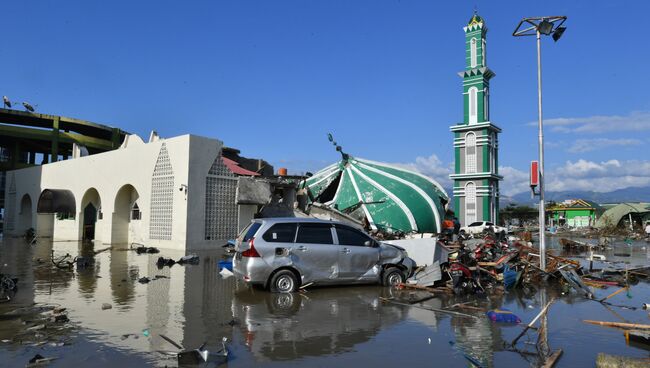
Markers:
{"x": 632, "y": 194}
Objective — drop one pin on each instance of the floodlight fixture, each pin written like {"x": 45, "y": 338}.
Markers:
{"x": 559, "y": 31}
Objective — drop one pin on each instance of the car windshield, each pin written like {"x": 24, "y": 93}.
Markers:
{"x": 249, "y": 233}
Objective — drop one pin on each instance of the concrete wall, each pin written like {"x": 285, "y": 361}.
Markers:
{"x": 110, "y": 172}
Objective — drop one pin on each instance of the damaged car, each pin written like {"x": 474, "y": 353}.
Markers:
{"x": 282, "y": 254}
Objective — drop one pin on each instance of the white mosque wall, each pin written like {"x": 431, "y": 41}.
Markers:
{"x": 112, "y": 181}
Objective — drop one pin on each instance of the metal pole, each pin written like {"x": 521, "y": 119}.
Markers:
{"x": 542, "y": 215}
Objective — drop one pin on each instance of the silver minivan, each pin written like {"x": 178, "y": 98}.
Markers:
{"x": 284, "y": 253}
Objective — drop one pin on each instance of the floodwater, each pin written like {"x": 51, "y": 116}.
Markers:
{"x": 323, "y": 327}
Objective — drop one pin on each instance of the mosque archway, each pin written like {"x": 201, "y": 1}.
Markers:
{"x": 90, "y": 215}
{"x": 126, "y": 215}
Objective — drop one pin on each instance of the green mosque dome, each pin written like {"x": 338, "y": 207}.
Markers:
{"x": 389, "y": 197}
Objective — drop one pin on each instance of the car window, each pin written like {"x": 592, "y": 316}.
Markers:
{"x": 476, "y": 224}
{"x": 250, "y": 232}
{"x": 281, "y": 233}
{"x": 489, "y": 224}
{"x": 348, "y": 236}
{"x": 315, "y": 234}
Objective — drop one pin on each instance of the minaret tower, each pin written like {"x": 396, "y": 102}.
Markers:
{"x": 476, "y": 176}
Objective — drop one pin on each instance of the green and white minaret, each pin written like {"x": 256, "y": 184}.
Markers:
{"x": 476, "y": 143}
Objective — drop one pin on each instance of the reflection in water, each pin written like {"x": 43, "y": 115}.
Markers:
{"x": 325, "y": 321}
{"x": 345, "y": 326}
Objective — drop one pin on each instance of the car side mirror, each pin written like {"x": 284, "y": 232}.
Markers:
{"x": 368, "y": 243}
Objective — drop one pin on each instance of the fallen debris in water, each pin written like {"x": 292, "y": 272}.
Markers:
{"x": 225, "y": 273}
{"x": 638, "y": 338}
{"x": 38, "y": 359}
{"x": 162, "y": 262}
{"x": 623, "y": 325}
{"x": 106, "y": 306}
{"x": 199, "y": 355}
{"x": 189, "y": 259}
{"x": 503, "y": 315}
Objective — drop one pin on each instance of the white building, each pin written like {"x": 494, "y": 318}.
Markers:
{"x": 174, "y": 193}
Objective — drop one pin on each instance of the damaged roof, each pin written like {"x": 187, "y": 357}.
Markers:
{"x": 391, "y": 198}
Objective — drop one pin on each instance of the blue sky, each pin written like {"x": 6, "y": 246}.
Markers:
{"x": 272, "y": 78}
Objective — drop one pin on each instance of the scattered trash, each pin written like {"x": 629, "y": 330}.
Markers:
{"x": 227, "y": 264}
{"x": 199, "y": 355}
{"x": 144, "y": 280}
{"x": 503, "y": 315}
{"x": 162, "y": 262}
{"x": 106, "y": 306}
{"x": 225, "y": 273}
{"x": 38, "y": 359}
{"x": 145, "y": 332}
{"x": 189, "y": 259}
{"x": 142, "y": 249}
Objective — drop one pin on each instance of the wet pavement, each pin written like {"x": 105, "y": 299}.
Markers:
{"x": 342, "y": 326}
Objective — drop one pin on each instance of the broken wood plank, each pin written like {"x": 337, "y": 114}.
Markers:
{"x": 622, "y": 325}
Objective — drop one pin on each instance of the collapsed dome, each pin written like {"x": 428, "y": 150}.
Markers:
{"x": 388, "y": 197}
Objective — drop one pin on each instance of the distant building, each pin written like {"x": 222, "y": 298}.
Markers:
{"x": 628, "y": 215}
{"x": 476, "y": 175}
{"x": 177, "y": 193}
{"x": 574, "y": 213}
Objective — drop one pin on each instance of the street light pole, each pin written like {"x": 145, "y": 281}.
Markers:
{"x": 542, "y": 214}
{"x": 537, "y": 26}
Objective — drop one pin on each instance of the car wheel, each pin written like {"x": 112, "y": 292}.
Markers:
{"x": 284, "y": 282}
{"x": 393, "y": 276}
{"x": 462, "y": 233}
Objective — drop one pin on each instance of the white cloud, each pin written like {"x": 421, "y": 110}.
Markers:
{"x": 586, "y": 145}
{"x": 433, "y": 167}
{"x": 582, "y": 174}
{"x": 514, "y": 181}
{"x": 633, "y": 122}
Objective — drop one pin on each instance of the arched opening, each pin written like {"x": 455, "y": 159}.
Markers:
{"x": 470, "y": 153}
{"x": 470, "y": 203}
{"x": 25, "y": 214}
{"x": 90, "y": 214}
{"x": 473, "y": 114}
{"x": 124, "y": 224}
{"x": 62, "y": 204}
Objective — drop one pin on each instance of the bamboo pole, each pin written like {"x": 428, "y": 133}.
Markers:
{"x": 618, "y": 324}
{"x": 612, "y": 294}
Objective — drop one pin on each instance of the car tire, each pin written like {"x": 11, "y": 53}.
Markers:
{"x": 283, "y": 281}
{"x": 462, "y": 233}
{"x": 393, "y": 276}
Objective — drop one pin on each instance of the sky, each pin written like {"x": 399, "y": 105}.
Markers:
{"x": 273, "y": 77}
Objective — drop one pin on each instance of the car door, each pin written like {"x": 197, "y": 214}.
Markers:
{"x": 314, "y": 253}
{"x": 357, "y": 254}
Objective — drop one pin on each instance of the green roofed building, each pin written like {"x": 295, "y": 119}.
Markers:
{"x": 476, "y": 175}
{"x": 574, "y": 213}
{"x": 387, "y": 197}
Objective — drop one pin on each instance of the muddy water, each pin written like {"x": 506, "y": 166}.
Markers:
{"x": 342, "y": 326}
